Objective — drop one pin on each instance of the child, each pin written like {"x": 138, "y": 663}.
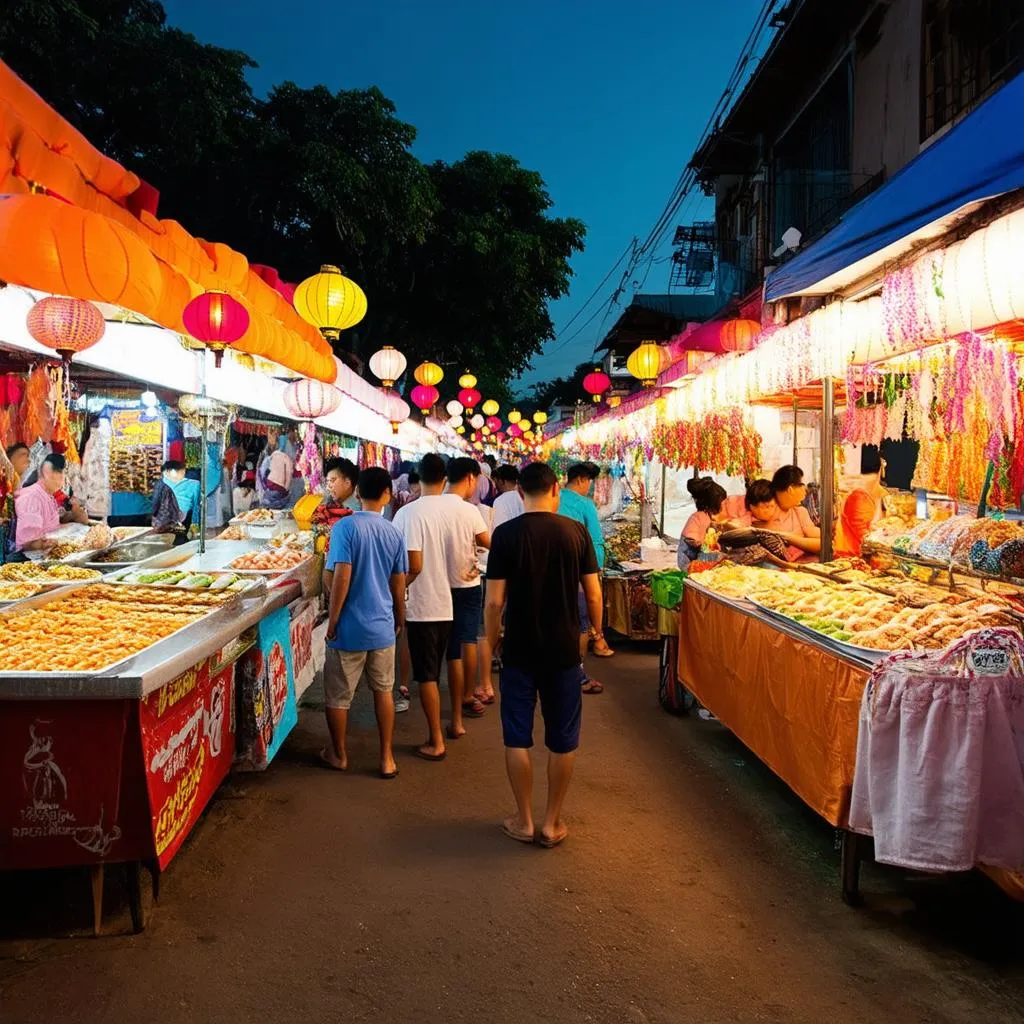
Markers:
{"x": 709, "y": 498}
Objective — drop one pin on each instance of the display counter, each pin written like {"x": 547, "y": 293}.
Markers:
{"x": 116, "y": 768}
{"x": 629, "y": 608}
{"x": 792, "y": 699}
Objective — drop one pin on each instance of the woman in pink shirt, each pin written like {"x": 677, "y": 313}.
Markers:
{"x": 709, "y": 498}
{"x": 36, "y": 510}
{"x": 793, "y": 523}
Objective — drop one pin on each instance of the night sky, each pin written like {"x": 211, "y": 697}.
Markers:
{"x": 606, "y": 100}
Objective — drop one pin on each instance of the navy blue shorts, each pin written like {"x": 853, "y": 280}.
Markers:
{"x": 581, "y": 600}
{"x": 561, "y": 705}
{"x": 467, "y": 606}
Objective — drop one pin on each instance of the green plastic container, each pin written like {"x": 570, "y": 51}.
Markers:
{"x": 667, "y": 588}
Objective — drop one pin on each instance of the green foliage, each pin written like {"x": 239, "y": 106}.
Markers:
{"x": 459, "y": 261}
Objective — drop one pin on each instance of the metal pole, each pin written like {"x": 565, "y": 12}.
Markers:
{"x": 827, "y": 467}
{"x": 796, "y": 416}
{"x": 661, "y": 521}
{"x": 204, "y": 458}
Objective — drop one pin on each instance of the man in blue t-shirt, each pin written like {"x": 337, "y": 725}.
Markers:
{"x": 366, "y": 567}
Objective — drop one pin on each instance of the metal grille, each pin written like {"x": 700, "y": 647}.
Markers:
{"x": 969, "y": 49}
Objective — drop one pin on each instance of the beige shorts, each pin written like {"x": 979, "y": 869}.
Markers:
{"x": 344, "y": 669}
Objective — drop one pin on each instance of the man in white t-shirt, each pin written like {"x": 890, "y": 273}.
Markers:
{"x": 469, "y": 533}
{"x": 509, "y": 502}
{"x": 427, "y": 526}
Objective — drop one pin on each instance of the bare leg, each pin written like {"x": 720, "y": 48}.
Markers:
{"x": 457, "y": 689}
{"x": 560, "y": 768}
{"x": 485, "y": 688}
{"x": 520, "y": 775}
{"x": 337, "y": 725}
{"x": 469, "y": 668}
{"x": 404, "y": 660}
{"x": 384, "y": 709}
{"x": 430, "y": 699}
{"x": 584, "y": 644}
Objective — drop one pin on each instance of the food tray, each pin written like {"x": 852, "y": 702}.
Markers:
{"x": 281, "y": 573}
{"x": 278, "y": 515}
{"x": 254, "y": 584}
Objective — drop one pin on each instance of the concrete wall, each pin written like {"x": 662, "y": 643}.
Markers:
{"x": 886, "y": 94}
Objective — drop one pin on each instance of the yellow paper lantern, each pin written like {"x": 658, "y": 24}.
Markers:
{"x": 467, "y": 380}
{"x": 490, "y": 407}
{"x": 525, "y": 423}
{"x": 330, "y": 302}
{"x": 540, "y": 418}
{"x": 515, "y": 416}
{"x": 646, "y": 362}
{"x": 428, "y": 374}
{"x": 486, "y": 431}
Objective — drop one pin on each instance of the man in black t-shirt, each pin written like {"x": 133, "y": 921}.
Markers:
{"x": 534, "y": 571}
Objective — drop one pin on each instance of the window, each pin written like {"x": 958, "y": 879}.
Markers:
{"x": 969, "y": 49}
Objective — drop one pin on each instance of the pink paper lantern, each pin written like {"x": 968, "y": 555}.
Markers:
{"x": 310, "y": 399}
{"x": 217, "y": 320}
{"x": 515, "y": 431}
{"x": 493, "y": 423}
{"x": 470, "y": 398}
{"x": 424, "y": 397}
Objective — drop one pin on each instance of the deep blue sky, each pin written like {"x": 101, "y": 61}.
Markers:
{"x": 606, "y": 99}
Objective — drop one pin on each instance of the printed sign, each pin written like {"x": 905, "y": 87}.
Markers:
{"x": 128, "y": 428}
{"x": 188, "y": 743}
{"x": 61, "y": 764}
{"x": 267, "y": 710}
{"x": 303, "y": 665}
{"x": 990, "y": 661}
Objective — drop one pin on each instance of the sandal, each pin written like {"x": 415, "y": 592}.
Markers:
{"x": 485, "y": 699}
{"x": 592, "y": 686}
{"x": 473, "y": 708}
{"x": 549, "y": 842}
{"x": 602, "y": 652}
{"x": 508, "y": 827}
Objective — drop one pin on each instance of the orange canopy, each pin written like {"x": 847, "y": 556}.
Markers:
{"x": 64, "y": 227}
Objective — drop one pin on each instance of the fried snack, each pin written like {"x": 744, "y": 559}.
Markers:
{"x": 22, "y": 572}
{"x": 270, "y": 560}
{"x": 64, "y": 548}
{"x": 16, "y": 591}
{"x": 232, "y": 533}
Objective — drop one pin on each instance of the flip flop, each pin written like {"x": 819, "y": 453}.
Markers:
{"x": 606, "y": 653}
{"x": 326, "y": 761}
{"x": 550, "y": 842}
{"x": 430, "y": 757}
{"x": 514, "y": 833}
{"x": 389, "y": 775}
{"x": 594, "y": 687}
{"x": 485, "y": 700}
{"x": 473, "y": 709}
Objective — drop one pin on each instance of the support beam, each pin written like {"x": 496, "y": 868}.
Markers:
{"x": 827, "y": 466}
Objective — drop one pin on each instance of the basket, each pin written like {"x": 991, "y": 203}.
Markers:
{"x": 667, "y": 588}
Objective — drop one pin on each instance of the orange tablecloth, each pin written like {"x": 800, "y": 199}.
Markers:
{"x": 795, "y": 705}
{"x": 792, "y": 703}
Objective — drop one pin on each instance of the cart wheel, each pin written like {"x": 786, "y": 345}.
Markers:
{"x": 133, "y": 878}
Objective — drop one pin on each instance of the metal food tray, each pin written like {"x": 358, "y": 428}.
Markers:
{"x": 253, "y": 588}
{"x": 278, "y": 515}
{"x": 84, "y": 557}
{"x": 870, "y": 653}
{"x": 41, "y": 600}
{"x": 277, "y": 573}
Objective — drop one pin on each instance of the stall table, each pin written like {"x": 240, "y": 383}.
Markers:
{"x": 628, "y": 606}
{"x": 792, "y": 700}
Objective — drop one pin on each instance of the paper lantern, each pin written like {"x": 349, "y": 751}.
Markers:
{"x": 540, "y": 418}
{"x": 528, "y": 436}
{"x": 398, "y": 412}
{"x": 454, "y": 408}
{"x": 477, "y": 421}
{"x": 424, "y": 397}
{"x": 469, "y": 398}
{"x": 330, "y": 302}
{"x": 738, "y": 335}
{"x": 490, "y": 407}
{"x": 500, "y": 437}
{"x": 387, "y": 365}
{"x": 525, "y": 423}
{"x": 514, "y": 416}
{"x": 493, "y": 422}
{"x": 455, "y": 421}
{"x": 646, "y": 362}
{"x": 515, "y": 431}
{"x": 486, "y": 431}
{"x": 215, "y": 320}
{"x": 460, "y": 430}
{"x": 467, "y": 380}
{"x": 596, "y": 383}
{"x": 614, "y": 401}
{"x": 65, "y": 324}
{"x": 310, "y": 399}
{"x": 428, "y": 374}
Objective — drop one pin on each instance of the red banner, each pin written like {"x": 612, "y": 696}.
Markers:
{"x": 188, "y": 742}
{"x": 61, "y": 766}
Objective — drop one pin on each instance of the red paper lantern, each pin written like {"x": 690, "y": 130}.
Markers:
{"x": 515, "y": 431}
{"x": 217, "y": 320}
{"x": 65, "y": 324}
{"x": 424, "y": 397}
{"x": 738, "y": 335}
{"x": 311, "y": 399}
{"x": 596, "y": 383}
{"x": 500, "y": 437}
{"x": 470, "y": 398}
{"x": 494, "y": 423}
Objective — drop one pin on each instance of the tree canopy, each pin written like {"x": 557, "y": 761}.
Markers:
{"x": 458, "y": 261}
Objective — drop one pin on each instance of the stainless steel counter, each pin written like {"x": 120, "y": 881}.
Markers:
{"x": 165, "y": 660}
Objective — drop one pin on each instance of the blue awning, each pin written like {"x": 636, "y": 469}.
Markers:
{"x": 981, "y": 157}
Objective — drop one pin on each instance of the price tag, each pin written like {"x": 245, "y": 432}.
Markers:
{"x": 990, "y": 661}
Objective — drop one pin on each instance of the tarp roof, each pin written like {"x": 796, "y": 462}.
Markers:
{"x": 981, "y": 157}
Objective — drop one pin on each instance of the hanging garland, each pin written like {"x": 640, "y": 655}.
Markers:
{"x": 720, "y": 443}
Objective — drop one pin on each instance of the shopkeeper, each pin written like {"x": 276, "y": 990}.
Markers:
{"x": 274, "y": 476}
{"x": 41, "y": 507}
{"x": 710, "y": 501}
{"x": 793, "y": 523}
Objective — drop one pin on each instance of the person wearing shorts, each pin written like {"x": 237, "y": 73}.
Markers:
{"x": 427, "y": 527}
{"x": 536, "y": 566}
{"x": 367, "y": 564}
{"x": 469, "y": 532}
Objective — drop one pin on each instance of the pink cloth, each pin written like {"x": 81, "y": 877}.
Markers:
{"x": 939, "y": 779}
{"x": 696, "y": 527}
{"x": 281, "y": 470}
{"x": 37, "y": 513}
{"x": 796, "y": 520}
{"x": 736, "y": 507}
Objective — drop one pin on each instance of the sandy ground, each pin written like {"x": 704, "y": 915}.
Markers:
{"x": 694, "y": 887}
